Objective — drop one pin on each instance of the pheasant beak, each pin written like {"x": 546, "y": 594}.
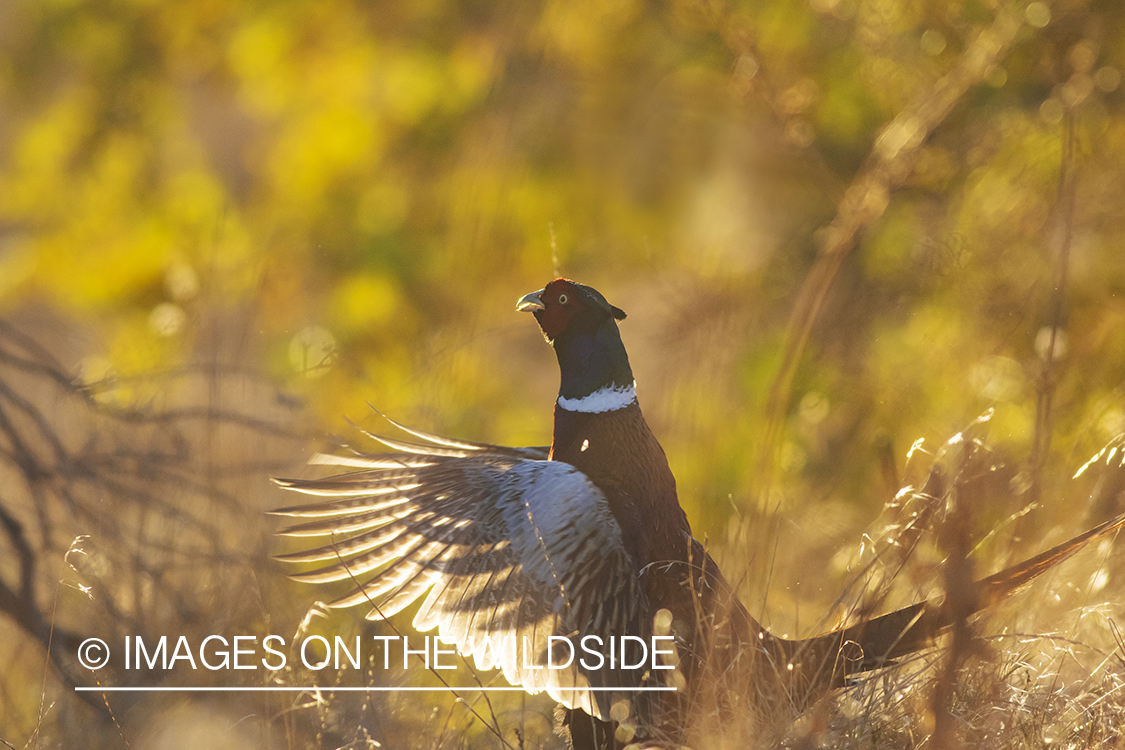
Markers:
{"x": 530, "y": 302}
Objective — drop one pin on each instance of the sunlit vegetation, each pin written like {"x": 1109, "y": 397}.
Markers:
{"x": 840, "y": 228}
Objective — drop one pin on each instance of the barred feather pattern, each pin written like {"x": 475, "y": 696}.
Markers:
{"x": 514, "y": 554}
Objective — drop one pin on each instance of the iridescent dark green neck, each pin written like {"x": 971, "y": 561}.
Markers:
{"x": 592, "y": 361}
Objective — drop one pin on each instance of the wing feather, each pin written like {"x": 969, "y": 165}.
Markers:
{"x": 515, "y": 558}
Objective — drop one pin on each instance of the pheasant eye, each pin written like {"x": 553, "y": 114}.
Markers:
{"x": 563, "y": 299}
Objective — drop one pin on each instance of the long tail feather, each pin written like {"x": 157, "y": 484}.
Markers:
{"x": 878, "y": 641}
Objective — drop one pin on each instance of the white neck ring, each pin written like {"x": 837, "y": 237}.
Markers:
{"x": 609, "y": 398}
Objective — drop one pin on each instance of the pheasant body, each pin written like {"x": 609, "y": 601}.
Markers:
{"x": 584, "y": 539}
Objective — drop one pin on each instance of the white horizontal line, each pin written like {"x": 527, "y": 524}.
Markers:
{"x": 322, "y": 688}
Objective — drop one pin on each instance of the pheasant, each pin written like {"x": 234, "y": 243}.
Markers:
{"x": 582, "y": 549}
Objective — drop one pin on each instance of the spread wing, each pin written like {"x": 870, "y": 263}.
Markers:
{"x": 518, "y": 558}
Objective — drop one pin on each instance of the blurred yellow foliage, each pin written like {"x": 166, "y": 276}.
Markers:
{"x": 349, "y": 197}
